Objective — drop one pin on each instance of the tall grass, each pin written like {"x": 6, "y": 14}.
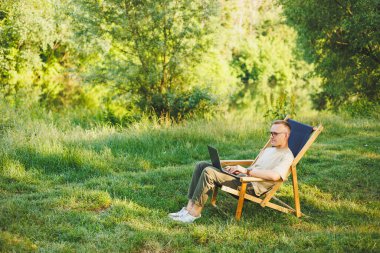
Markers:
{"x": 69, "y": 186}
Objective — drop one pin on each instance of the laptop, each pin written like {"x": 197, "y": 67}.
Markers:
{"x": 215, "y": 160}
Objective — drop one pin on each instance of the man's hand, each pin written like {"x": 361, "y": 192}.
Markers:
{"x": 236, "y": 169}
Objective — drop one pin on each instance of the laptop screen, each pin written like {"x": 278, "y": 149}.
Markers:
{"x": 214, "y": 156}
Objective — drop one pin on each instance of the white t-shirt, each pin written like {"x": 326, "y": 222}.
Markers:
{"x": 275, "y": 159}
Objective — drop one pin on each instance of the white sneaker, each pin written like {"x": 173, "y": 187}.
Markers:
{"x": 186, "y": 218}
{"x": 183, "y": 211}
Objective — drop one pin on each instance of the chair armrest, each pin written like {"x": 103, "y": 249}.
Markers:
{"x": 236, "y": 162}
{"x": 256, "y": 179}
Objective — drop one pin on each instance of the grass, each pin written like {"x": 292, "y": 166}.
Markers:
{"x": 94, "y": 188}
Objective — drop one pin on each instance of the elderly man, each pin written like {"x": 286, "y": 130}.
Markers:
{"x": 273, "y": 164}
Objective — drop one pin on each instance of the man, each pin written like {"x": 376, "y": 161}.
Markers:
{"x": 273, "y": 164}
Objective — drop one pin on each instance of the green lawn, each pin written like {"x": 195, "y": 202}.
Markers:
{"x": 67, "y": 187}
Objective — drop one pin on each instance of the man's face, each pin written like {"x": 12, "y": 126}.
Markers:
{"x": 279, "y": 135}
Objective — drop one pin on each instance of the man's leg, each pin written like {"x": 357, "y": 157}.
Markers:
{"x": 199, "y": 167}
{"x": 209, "y": 178}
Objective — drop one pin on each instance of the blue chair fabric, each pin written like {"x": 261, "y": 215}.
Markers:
{"x": 299, "y": 135}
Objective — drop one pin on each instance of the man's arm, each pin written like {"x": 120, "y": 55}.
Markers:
{"x": 264, "y": 174}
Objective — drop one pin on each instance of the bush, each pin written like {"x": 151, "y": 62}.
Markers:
{"x": 284, "y": 105}
{"x": 183, "y": 105}
{"x": 362, "y": 109}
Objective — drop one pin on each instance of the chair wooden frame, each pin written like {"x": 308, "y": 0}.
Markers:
{"x": 265, "y": 201}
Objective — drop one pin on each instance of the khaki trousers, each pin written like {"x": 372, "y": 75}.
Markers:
{"x": 204, "y": 179}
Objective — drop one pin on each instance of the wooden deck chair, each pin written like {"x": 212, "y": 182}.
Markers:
{"x": 300, "y": 139}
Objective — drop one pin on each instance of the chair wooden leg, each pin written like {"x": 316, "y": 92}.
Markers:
{"x": 296, "y": 193}
{"x": 239, "y": 208}
{"x": 214, "y": 194}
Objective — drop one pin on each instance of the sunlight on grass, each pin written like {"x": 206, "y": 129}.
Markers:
{"x": 14, "y": 170}
{"x": 11, "y": 243}
{"x": 105, "y": 189}
{"x": 79, "y": 199}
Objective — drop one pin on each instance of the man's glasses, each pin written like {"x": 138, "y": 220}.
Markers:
{"x": 274, "y": 134}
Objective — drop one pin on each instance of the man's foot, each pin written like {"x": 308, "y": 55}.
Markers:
{"x": 183, "y": 211}
{"x": 186, "y": 218}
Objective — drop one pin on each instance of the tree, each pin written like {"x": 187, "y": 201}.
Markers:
{"x": 37, "y": 53}
{"x": 343, "y": 39}
{"x": 267, "y": 60}
{"x": 154, "y": 45}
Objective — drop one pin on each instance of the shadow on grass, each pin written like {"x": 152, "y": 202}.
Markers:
{"x": 165, "y": 190}
{"x": 146, "y": 176}
{"x": 136, "y": 220}
{"x": 154, "y": 188}
{"x": 67, "y": 166}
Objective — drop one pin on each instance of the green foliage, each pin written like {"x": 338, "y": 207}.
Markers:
{"x": 283, "y": 106}
{"x": 342, "y": 38}
{"x": 156, "y": 45}
{"x": 175, "y": 106}
{"x": 362, "y": 109}
{"x": 37, "y": 55}
{"x": 268, "y": 64}
{"x": 127, "y": 60}
{"x": 186, "y": 104}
